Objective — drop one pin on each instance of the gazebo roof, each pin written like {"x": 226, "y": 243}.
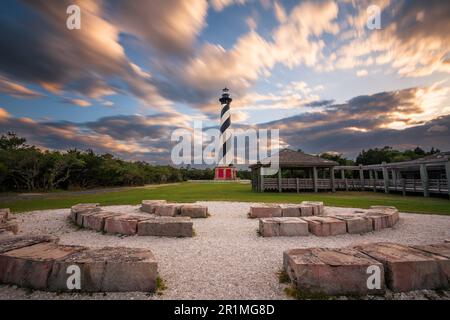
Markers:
{"x": 291, "y": 158}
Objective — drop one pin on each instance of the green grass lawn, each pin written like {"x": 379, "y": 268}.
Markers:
{"x": 189, "y": 192}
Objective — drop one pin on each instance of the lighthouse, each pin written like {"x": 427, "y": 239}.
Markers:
{"x": 225, "y": 170}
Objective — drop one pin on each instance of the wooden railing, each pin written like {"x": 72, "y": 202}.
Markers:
{"x": 270, "y": 184}
{"x": 438, "y": 185}
{"x": 404, "y": 185}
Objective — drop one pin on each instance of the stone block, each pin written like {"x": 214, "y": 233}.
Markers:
{"x": 194, "y": 211}
{"x": 17, "y": 242}
{"x": 81, "y": 216}
{"x": 108, "y": 270}
{"x": 38, "y": 262}
{"x": 306, "y": 210}
{"x": 283, "y": 227}
{"x": 123, "y": 224}
{"x": 97, "y": 221}
{"x": 150, "y": 206}
{"x": 380, "y": 220}
{"x": 394, "y": 217}
{"x": 326, "y": 226}
{"x": 392, "y": 212}
{"x": 166, "y": 227}
{"x": 31, "y": 266}
{"x": 290, "y": 210}
{"x": 83, "y": 207}
{"x": 265, "y": 211}
{"x": 321, "y": 271}
{"x": 408, "y": 268}
{"x": 318, "y": 208}
{"x": 167, "y": 210}
{"x": 356, "y": 224}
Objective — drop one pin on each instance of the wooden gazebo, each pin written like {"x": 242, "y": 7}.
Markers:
{"x": 303, "y": 172}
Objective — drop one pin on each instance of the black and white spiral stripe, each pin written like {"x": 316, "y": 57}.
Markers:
{"x": 225, "y": 135}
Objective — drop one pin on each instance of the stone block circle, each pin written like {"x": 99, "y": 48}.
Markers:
{"x": 8, "y": 224}
{"x": 273, "y": 218}
{"x": 323, "y": 271}
{"x": 91, "y": 216}
{"x": 39, "y": 262}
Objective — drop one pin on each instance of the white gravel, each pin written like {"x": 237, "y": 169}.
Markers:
{"x": 226, "y": 259}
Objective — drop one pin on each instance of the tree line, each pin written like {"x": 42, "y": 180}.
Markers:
{"x": 379, "y": 155}
{"x": 26, "y": 167}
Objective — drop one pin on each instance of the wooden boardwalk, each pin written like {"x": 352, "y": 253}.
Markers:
{"x": 435, "y": 186}
{"x": 428, "y": 175}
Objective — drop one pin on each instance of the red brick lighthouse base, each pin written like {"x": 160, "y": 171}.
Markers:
{"x": 225, "y": 173}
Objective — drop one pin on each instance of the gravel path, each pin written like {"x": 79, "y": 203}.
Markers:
{"x": 226, "y": 259}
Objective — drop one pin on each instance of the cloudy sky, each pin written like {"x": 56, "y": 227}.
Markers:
{"x": 137, "y": 70}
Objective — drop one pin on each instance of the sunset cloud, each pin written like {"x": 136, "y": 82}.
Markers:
{"x": 219, "y": 5}
{"x": 3, "y": 114}
{"x": 386, "y": 118}
{"x": 280, "y": 13}
{"x": 16, "y": 89}
{"x": 294, "y": 42}
{"x": 170, "y": 26}
{"x": 135, "y": 137}
{"x": 413, "y": 40}
{"x": 79, "y": 61}
{"x": 79, "y": 102}
{"x": 362, "y": 122}
{"x": 140, "y": 69}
